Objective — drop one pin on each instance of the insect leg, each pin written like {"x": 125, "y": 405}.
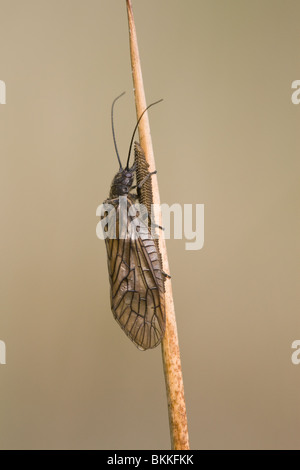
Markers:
{"x": 165, "y": 274}
{"x": 146, "y": 178}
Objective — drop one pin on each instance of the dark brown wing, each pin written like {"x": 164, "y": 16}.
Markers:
{"x": 137, "y": 287}
{"x": 145, "y": 195}
{"x": 144, "y": 188}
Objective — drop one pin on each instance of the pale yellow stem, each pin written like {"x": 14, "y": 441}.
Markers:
{"x": 170, "y": 346}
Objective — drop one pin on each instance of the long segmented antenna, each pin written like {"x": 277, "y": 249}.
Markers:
{"x": 137, "y": 124}
{"x": 113, "y": 130}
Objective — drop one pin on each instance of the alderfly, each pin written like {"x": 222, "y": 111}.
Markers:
{"x": 134, "y": 262}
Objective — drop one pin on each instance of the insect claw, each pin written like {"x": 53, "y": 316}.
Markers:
{"x": 166, "y": 275}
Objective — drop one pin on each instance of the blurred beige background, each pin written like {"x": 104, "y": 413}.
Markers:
{"x": 226, "y": 135}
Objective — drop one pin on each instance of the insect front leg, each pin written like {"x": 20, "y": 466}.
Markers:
{"x": 166, "y": 275}
{"x": 143, "y": 180}
{"x": 146, "y": 178}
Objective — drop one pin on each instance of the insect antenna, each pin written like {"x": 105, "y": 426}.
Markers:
{"x": 113, "y": 129}
{"x": 136, "y": 126}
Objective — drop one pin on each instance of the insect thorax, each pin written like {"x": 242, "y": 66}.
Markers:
{"x": 122, "y": 183}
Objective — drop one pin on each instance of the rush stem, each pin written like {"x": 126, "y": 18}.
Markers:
{"x": 170, "y": 346}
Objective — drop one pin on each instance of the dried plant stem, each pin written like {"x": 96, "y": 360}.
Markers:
{"x": 170, "y": 346}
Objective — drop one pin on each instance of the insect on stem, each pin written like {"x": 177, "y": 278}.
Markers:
{"x": 134, "y": 261}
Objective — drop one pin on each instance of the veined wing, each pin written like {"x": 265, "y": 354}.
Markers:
{"x": 137, "y": 287}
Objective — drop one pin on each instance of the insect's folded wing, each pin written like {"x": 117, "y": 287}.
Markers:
{"x": 137, "y": 297}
